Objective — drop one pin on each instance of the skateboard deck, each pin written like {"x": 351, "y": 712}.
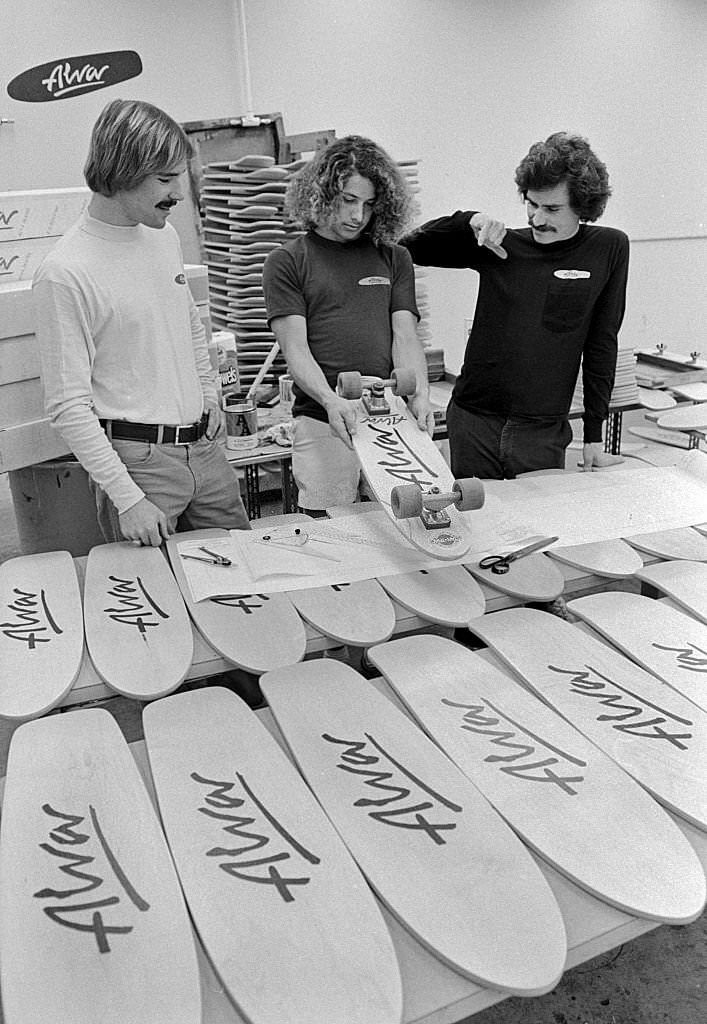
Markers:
{"x": 533, "y": 578}
{"x": 41, "y": 633}
{"x": 614, "y": 840}
{"x": 681, "y": 543}
{"x": 271, "y": 888}
{"x": 684, "y": 417}
{"x": 255, "y": 632}
{"x": 657, "y": 436}
{"x": 448, "y": 596}
{"x": 684, "y": 582}
{"x": 655, "y": 399}
{"x": 674, "y": 360}
{"x": 393, "y": 450}
{"x": 655, "y": 734}
{"x": 93, "y": 926}
{"x": 612, "y": 558}
{"x": 440, "y": 858}
{"x": 358, "y": 613}
{"x": 138, "y": 632}
{"x": 669, "y": 643}
{"x": 696, "y": 392}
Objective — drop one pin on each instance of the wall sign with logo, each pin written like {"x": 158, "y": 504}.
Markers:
{"x": 74, "y": 76}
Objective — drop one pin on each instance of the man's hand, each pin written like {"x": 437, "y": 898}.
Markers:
{"x": 217, "y": 420}
{"x": 594, "y": 457}
{"x": 419, "y": 406}
{"x": 144, "y": 523}
{"x": 343, "y": 418}
{"x": 489, "y": 232}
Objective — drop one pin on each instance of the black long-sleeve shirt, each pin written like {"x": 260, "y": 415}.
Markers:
{"x": 538, "y": 314}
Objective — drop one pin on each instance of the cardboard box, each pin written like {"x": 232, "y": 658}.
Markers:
{"x": 20, "y": 259}
{"x": 19, "y": 359}
{"x": 16, "y": 309}
{"x": 40, "y": 213}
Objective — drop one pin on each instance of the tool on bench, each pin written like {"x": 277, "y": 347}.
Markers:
{"x": 213, "y": 557}
{"x": 500, "y": 564}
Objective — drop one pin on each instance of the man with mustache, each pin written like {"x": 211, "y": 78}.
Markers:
{"x": 125, "y": 366}
{"x": 551, "y": 298}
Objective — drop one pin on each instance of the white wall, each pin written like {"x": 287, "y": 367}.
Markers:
{"x": 465, "y": 86}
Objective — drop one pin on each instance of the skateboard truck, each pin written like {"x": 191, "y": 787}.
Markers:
{"x": 410, "y": 500}
{"x": 371, "y": 390}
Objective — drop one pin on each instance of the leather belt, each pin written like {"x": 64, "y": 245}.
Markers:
{"x": 156, "y": 433}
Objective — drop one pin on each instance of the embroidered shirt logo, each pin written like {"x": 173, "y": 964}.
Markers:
{"x": 375, "y": 280}
{"x": 180, "y": 279}
{"x": 573, "y": 275}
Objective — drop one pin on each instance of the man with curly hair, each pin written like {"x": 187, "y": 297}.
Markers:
{"x": 342, "y": 297}
{"x": 553, "y": 297}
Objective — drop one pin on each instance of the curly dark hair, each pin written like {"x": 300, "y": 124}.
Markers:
{"x": 564, "y": 157}
{"x": 314, "y": 191}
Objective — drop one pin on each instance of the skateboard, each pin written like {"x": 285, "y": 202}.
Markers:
{"x": 432, "y": 848}
{"x": 405, "y": 470}
{"x": 696, "y": 392}
{"x": 657, "y": 436}
{"x": 669, "y": 643}
{"x": 661, "y": 356}
{"x": 533, "y": 578}
{"x": 539, "y": 771}
{"x": 681, "y": 543}
{"x": 684, "y": 582}
{"x": 447, "y": 596}
{"x": 271, "y": 888}
{"x": 255, "y": 632}
{"x": 93, "y": 926}
{"x": 685, "y": 417}
{"x": 655, "y": 399}
{"x": 358, "y": 613}
{"x": 655, "y": 734}
{"x": 41, "y": 633}
{"x": 612, "y": 558}
{"x": 138, "y": 632}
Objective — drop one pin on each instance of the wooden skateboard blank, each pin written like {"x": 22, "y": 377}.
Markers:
{"x": 612, "y": 558}
{"x": 93, "y": 926}
{"x": 655, "y": 734}
{"x": 431, "y": 847}
{"x": 285, "y": 916}
{"x": 358, "y": 613}
{"x": 566, "y": 799}
{"x": 447, "y": 596}
{"x": 667, "y": 642}
{"x": 41, "y": 633}
{"x": 137, "y": 628}
{"x": 532, "y": 578}
{"x": 256, "y": 632}
{"x": 683, "y": 581}
{"x": 684, "y": 417}
{"x": 681, "y": 543}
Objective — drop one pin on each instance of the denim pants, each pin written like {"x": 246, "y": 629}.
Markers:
{"x": 500, "y": 447}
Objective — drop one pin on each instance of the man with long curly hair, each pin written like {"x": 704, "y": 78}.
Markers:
{"x": 342, "y": 297}
{"x": 553, "y": 297}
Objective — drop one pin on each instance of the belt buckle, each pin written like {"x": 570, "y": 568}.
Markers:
{"x": 178, "y": 433}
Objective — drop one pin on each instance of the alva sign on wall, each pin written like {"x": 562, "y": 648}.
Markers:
{"x": 74, "y": 76}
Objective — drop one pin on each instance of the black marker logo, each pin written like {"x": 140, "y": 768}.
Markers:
{"x": 74, "y": 76}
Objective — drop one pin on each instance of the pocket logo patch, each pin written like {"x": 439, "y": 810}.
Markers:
{"x": 573, "y": 275}
{"x": 375, "y": 280}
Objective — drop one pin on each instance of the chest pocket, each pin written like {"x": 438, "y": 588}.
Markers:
{"x": 566, "y": 304}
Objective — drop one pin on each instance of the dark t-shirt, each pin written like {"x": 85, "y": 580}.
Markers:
{"x": 347, "y": 292}
{"x": 538, "y": 314}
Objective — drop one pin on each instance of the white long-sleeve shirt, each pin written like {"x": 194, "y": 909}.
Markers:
{"x": 119, "y": 338}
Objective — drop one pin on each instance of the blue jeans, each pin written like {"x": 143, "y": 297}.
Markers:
{"x": 499, "y": 448}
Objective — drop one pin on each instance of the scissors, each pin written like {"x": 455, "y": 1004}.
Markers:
{"x": 500, "y": 564}
{"x": 297, "y": 542}
{"x": 214, "y": 557}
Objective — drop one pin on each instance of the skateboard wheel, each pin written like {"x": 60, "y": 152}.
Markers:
{"x": 406, "y": 501}
{"x": 350, "y": 384}
{"x": 404, "y": 382}
{"x": 470, "y": 494}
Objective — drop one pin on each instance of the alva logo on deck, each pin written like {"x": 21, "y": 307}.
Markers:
{"x": 74, "y": 76}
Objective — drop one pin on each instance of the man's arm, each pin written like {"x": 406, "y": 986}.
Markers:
{"x": 291, "y": 335}
{"x": 599, "y": 357}
{"x": 408, "y": 354}
{"x": 456, "y": 241}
